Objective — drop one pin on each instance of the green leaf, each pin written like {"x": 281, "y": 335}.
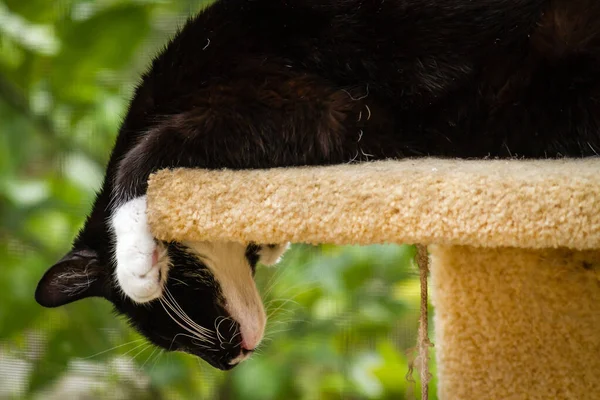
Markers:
{"x": 53, "y": 363}
{"x": 105, "y": 41}
{"x": 38, "y": 38}
{"x": 249, "y": 380}
{"x": 38, "y": 11}
{"x": 392, "y": 371}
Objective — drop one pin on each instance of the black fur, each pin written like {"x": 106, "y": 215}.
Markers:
{"x": 203, "y": 304}
{"x": 252, "y": 255}
{"x": 270, "y": 83}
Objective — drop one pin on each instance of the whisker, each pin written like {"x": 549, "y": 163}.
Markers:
{"x": 141, "y": 351}
{"x": 312, "y": 285}
{"x": 202, "y": 346}
{"x": 276, "y": 300}
{"x": 172, "y": 341}
{"x": 112, "y": 348}
{"x": 281, "y": 316}
{"x": 272, "y": 282}
{"x": 219, "y": 336}
{"x": 288, "y": 321}
{"x": 171, "y": 302}
{"x": 183, "y": 315}
{"x": 179, "y": 280}
{"x": 279, "y": 274}
{"x": 158, "y": 356}
{"x": 257, "y": 352}
{"x": 282, "y": 311}
{"x": 279, "y": 331}
{"x": 180, "y": 312}
{"x": 181, "y": 325}
{"x": 151, "y": 354}
{"x": 236, "y": 335}
{"x": 193, "y": 340}
{"x": 283, "y": 302}
{"x": 136, "y": 347}
{"x": 168, "y": 304}
{"x": 273, "y": 311}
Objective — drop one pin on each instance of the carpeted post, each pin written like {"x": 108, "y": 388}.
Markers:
{"x": 514, "y": 250}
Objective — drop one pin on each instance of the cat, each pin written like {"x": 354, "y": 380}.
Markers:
{"x": 281, "y": 83}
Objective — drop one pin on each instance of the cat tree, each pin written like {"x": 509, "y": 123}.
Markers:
{"x": 514, "y": 252}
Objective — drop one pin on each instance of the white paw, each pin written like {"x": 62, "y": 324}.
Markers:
{"x": 140, "y": 271}
{"x": 142, "y": 267}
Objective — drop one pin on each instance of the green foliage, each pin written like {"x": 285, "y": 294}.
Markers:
{"x": 341, "y": 318}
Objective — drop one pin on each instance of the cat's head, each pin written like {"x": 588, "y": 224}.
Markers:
{"x": 209, "y": 304}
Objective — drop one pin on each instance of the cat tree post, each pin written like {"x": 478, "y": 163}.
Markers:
{"x": 516, "y": 323}
{"x": 514, "y": 249}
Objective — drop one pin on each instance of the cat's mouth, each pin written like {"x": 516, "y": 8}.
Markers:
{"x": 244, "y": 355}
{"x": 224, "y": 349}
{"x": 223, "y": 361}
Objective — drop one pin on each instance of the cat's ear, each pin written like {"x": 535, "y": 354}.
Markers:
{"x": 76, "y": 276}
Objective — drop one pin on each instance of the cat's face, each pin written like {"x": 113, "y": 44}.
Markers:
{"x": 209, "y": 304}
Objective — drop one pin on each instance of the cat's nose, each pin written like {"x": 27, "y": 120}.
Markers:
{"x": 247, "y": 347}
{"x": 251, "y": 333}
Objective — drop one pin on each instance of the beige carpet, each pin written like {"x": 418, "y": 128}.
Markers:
{"x": 515, "y": 317}
{"x": 516, "y": 324}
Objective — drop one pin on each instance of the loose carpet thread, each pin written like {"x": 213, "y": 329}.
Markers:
{"x": 423, "y": 342}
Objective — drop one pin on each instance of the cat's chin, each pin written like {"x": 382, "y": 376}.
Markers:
{"x": 223, "y": 366}
{"x": 216, "y": 361}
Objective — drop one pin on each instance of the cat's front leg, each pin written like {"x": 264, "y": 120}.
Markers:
{"x": 142, "y": 265}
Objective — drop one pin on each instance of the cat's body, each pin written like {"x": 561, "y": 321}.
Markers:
{"x": 270, "y": 83}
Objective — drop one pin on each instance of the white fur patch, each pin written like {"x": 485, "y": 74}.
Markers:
{"x": 137, "y": 275}
{"x": 228, "y": 264}
{"x": 271, "y": 255}
{"x": 240, "y": 358}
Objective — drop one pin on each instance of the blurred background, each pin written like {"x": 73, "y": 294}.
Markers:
{"x": 342, "y": 319}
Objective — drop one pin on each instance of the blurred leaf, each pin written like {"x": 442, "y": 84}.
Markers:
{"x": 25, "y": 193}
{"x": 391, "y": 372}
{"x": 80, "y": 170}
{"x": 54, "y": 361}
{"x": 107, "y": 40}
{"x": 35, "y": 37}
{"x": 249, "y": 383}
{"x": 38, "y": 11}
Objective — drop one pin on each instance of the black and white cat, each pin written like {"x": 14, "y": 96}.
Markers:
{"x": 271, "y": 83}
